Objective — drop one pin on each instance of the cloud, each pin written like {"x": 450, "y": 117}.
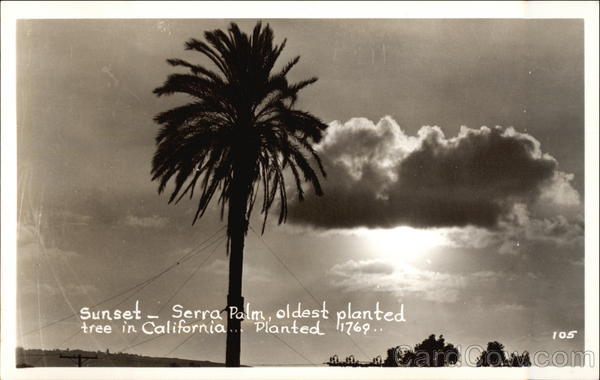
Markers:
{"x": 364, "y": 267}
{"x": 407, "y": 282}
{"x": 381, "y": 177}
{"x": 380, "y": 275}
{"x": 518, "y": 232}
{"x": 153, "y": 221}
{"x": 560, "y": 191}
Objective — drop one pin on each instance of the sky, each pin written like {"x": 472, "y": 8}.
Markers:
{"x": 454, "y": 153}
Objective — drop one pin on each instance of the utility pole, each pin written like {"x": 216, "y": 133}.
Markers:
{"x": 80, "y": 358}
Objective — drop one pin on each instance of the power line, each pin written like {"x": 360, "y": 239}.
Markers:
{"x": 177, "y": 291}
{"x": 293, "y": 349}
{"x": 51, "y": 265}
{"x": 301, "y": 284}
{"x": 179, "y": 345}
{"x": 191, "y": 335}
{"x": 286, "y": 267}
{"x": 131, "y": 295}
{"x": 70, "y": 337}
{"x": 142, "y": 342}
{"x": 218, "y": 242}
{"x": 184, "y": 258}
{"x": 153, "y": 338}
{"x": 137, "y": 291}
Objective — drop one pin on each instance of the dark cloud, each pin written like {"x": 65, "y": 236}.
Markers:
{"x": 380, "y": 177}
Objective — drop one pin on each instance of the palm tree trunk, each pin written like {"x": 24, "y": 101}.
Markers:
{"x": 234, "y": 299}
{"x": 237, "y": 226}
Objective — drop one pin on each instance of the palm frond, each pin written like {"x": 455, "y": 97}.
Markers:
{"x": 241, "y": 132}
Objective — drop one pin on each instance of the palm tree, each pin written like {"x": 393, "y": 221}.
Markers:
{"x": 236, "y": 138}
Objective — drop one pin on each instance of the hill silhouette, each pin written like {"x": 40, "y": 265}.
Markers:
{"x": 52, "y": 358}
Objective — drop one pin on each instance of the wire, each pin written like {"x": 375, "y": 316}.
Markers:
{"x": 286, "y": 267}
{"x": 142, "y": 342}
{"x": 70, "y": 337}
{"x": 184, "y": 258}
{"x": 180, "y": 287}
{"x": 154, "y": 337}
{"x": 189, "y": 337}
{"x": 219, "y": 240}
{"x": 218, "y": 243}
{"x": 179, "y": 345}
{"x": 293, "y": 349}
{"x": 301, "y": 284}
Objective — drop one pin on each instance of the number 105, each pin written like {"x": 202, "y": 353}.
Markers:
{"x": 564, "y": 334}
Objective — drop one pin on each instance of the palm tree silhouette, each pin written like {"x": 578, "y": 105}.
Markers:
{"x": 236, "y": 138}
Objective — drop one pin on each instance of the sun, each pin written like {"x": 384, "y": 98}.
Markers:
{"x": 403, "y": 242}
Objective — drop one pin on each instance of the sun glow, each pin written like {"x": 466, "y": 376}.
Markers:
{"x": 404, "y": 242}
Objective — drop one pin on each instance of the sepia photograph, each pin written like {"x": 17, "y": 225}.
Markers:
{"x": 298, "y": 193}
